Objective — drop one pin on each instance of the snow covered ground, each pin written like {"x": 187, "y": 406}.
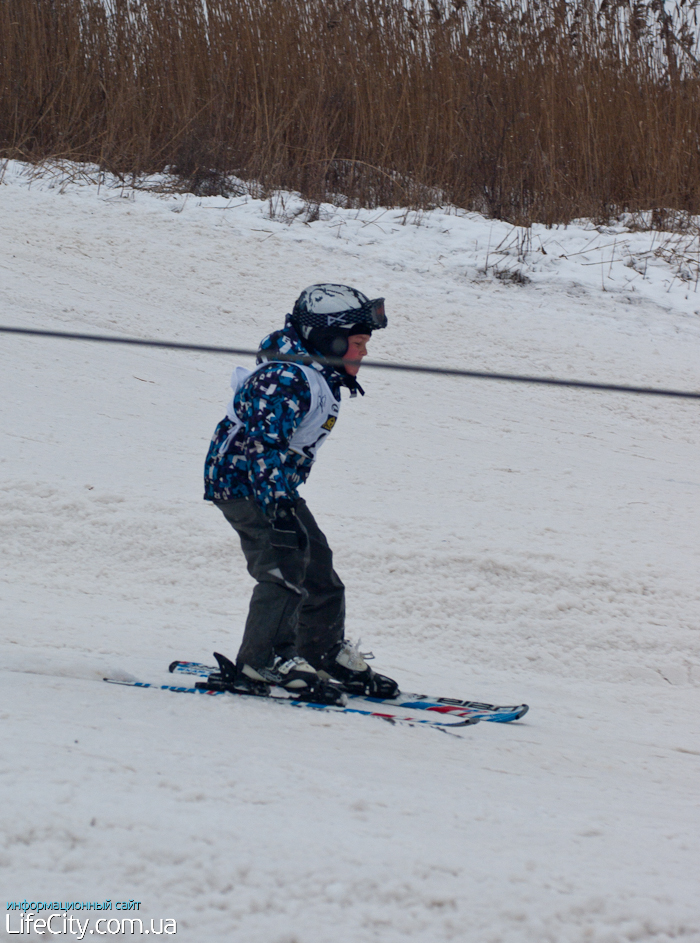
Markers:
{"x": 498, "y": 542}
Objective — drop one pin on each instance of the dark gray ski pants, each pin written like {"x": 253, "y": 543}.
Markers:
{"x": 298, "y": 605}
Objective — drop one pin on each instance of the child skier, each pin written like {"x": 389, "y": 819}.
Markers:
{"x": 280, "y": 415}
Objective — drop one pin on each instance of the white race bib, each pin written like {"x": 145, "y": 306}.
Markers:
{"x": 316, "y": 425}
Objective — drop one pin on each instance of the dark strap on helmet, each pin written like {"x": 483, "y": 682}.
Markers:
{"x": 352, "y": 384}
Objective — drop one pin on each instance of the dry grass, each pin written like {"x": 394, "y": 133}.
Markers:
{"x": 527, "y": 110}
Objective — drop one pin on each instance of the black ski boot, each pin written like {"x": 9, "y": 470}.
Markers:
{"x": 295, "y": 675}
{"x": 346, "y": 664}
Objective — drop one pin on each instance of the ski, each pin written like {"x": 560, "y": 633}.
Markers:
{"x": 412, "y": 702}
{"x": 397, "y": 714}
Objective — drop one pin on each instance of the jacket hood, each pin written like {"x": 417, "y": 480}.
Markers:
{"x": 280, "y": 345}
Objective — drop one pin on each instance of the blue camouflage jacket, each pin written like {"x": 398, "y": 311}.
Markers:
{"x": 271, "y": 404}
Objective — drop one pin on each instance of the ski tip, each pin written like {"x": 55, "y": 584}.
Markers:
{"x": 506, "y": 716}
{"x": 173, "y": 665}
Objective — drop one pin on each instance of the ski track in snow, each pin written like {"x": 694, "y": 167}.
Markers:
{"x": 498, "y": 542}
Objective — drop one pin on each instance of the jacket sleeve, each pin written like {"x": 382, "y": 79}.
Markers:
{"x": 278, "y": 399}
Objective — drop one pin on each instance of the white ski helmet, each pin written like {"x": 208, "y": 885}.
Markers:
{"x": 326, "y": 315}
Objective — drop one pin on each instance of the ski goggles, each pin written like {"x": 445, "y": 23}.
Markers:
{"x": 373, "y": 313}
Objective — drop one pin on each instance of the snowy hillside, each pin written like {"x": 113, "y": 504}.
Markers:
{"x": 499, "y": 542}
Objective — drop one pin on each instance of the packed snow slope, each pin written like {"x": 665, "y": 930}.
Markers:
{"x": 498, "y": 542}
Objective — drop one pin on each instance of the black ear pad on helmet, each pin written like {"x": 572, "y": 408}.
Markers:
{"x": 329, "y": 342}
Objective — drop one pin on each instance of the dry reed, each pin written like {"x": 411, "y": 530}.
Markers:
{"x": 528, "y": 110}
